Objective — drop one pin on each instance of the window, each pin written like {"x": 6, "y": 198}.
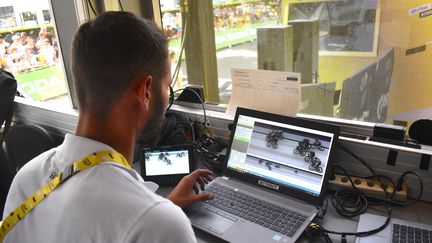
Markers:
{"x": 7, "y": 17}
{"x": 364, "y": 60}
{"x": 46, "y": 16}
{"x": 29, "y": 18}
{"x": 29, "y": 49}
{"x": 172, "y": 25}
{"x": 236, "y": 23}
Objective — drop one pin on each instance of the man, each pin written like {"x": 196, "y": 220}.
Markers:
{"x": 121, "y": 86}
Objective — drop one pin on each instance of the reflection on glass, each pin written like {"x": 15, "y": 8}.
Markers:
{"x": 366, "y": 60}
{"x": 344, "y": 25}
{"x": 30, "y": 50}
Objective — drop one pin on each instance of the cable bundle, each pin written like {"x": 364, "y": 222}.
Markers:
{"x": 351, "y": 203}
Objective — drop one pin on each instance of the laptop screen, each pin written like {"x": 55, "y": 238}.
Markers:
{"x": 293, "y": 156}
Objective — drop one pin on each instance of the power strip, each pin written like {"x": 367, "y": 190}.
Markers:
{"x": 370, "y": 188}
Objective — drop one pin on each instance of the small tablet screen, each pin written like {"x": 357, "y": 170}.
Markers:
{"x": 166, "y": 162}
{"x": 167, "y": 165}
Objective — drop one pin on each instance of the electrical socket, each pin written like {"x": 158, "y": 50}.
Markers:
{"x": 370, "y": 188}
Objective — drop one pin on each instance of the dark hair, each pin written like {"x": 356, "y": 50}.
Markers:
{"x": 110, "y": 52}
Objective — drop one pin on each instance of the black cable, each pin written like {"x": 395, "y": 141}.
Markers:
{"x": 357, "y": 158}
{"x": 364, "y": 233}
{"x": 211, "y": 159}
{"x": 91, "y": 7}
{"x": 372, "y": 171}
{"x": 399, "y": 185}
{"x": 191, "y": 127}
{"x": 323, "y": 209}
{"x": 210, "y": 164}
{"x": 349, "y": 203}
{"x": 217, "y": 140}
{"x": 174, "y": 123}
{"x": 204, "y": 150}
{"x": 213, "y": 164}
{"x": 171, "y": 98}
{"x": 389, "y": 198}
{"x": 166, "y": 129}
{"x": 315, "y": 233}
{"x": 121, "y": 6}
{"x": 203, "y": 107}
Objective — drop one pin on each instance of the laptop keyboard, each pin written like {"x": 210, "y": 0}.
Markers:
{"x": 255, "y": 210}
{"x": 405, "y": 233}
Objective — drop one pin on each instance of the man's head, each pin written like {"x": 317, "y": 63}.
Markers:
{"x": 114, "y": 52}
{"x": 23, "y": 36}
{"x": 16, "y": 38}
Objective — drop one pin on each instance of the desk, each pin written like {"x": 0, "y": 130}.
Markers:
{"x": 419, "y": 212}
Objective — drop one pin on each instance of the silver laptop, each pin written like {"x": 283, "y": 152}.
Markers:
{"x": 396, "y": 231}
{"x": 274, "y": 179}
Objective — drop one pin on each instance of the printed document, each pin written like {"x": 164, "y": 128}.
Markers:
{"x": 265, "y": 90}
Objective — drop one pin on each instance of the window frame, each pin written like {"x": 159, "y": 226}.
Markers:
{"x": 64, "y": 120}
{"x": 66, "y": 22}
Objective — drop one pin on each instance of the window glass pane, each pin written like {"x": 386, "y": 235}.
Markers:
{"x": 347, "y": 26}
{"x": 173, "y": 28}
{"x": 366, "y": 60}
{"x": 236, "y": 23}
{"x": 29, "y": 49}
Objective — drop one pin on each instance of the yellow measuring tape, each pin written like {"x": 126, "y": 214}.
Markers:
{"x": 89, "y": 161}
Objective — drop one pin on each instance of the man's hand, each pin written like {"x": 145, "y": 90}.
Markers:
{"x": 186, "y": 192}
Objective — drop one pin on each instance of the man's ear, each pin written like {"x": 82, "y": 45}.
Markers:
{"x": 143, "y": 91}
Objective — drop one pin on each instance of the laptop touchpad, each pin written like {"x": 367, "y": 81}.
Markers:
{"x": 212, "y": 221}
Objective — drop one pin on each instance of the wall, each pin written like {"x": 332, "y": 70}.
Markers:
{"x": 412, "y": 75}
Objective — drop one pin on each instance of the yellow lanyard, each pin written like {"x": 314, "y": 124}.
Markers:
{"x": 82, "y": 164}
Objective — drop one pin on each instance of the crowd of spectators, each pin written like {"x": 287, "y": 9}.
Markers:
{"x": 24, "y": 51}
{"x": 172, "y": 23}
{"x": 240, "y": 16}
{"x": 7, "y": 20}
{"x": 227, "y": 16}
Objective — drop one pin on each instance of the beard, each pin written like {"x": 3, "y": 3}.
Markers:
{"x": 149, "y": 134}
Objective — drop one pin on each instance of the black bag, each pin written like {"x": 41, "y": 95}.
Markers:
{"x": 8, "y": 88}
